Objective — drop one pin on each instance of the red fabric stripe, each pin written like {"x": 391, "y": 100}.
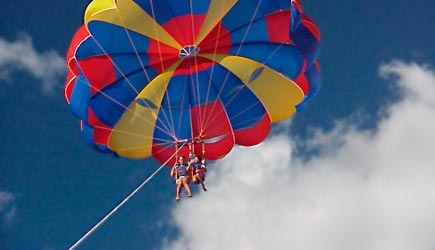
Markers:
{"x": 297, "y": 5}
{"x": 162, "y": 154}
{"x": 217, "y": 150}
{"x": 210, "y": 120}
{"x": 184, "y": 28}
{"x": 192, "y": 65}
{"x": 254, "y": 135}
{"x": 80, "y": 35}
{"x": 99, "y": 72}
{"x": 217, "y": 41}
{"x": 161, "y": 56}
{"x": 301, "y": 80}
{"x": 69, "y": 86}
{"x": 276, "y": 23}
{"x": 311, "y": 26}
{"x": 101, "y": 131}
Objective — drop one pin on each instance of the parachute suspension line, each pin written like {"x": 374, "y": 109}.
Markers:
{"x": 263, "y": 64}
{"x": 170, "y": 120}
{"x": 114, "y": 64}
{"x": 176, "y": 152}
{"x": 144, "y": 70}
{"x": 191, "y": 147}
{"x": 125, "y": 132}
{"x": 210, "y": 119}
{"x": 203, "y": 113}
{"x": 203, "y": 150}
{"x": 95, "y": 227}
{"x": 194, "y": 78}
{"x": 249, "y": 26}
{"x": 157, "y": 36}
{"x": 134, "y": 48}
{"x": 164, "y": 130}
{"x": 167, "y": 130}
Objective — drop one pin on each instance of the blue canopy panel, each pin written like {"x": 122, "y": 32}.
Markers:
{"x": 163, "y": 11}
{"x": 79, "y": 99}
{"x": 113, "y": 100}
{"x": 256, "y": 32}
{"x": 307, "y": 42}
{"x": 283, "y": 58}
{"x": 173, "y": 118}
{"x": 107, "y": 38}
{"x": 87, "y": 132}
{"x": 242, "y": 107}
{"x": 128, "y": 50}
{"x": 244, "y": 12}
{"x": 314, "y": 80}
{"x": 296, "y": 17}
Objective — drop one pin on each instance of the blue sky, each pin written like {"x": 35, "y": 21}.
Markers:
{"x": 355, "y": 163}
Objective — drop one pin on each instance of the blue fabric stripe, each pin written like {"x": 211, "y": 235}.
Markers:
{"x": 166, "y": 10}
{"x": 236, "y": 98}
{"x": 127, "y": 64}
{"x": 88, "y": 48}
{"x": 243, "y": 12}
{"x": 176, "y": 120}
{"x": 307, "y": 43}
{"x": 111, "y": 39}
{"x": 256, "y": 32}
{"x": 79, "y": 100}
{"x": 223, "y": 81}
{"x": 283, "y": 58}
{"x": 315, "y": 81}
{"x": 243, "y": 108}
{"x": 88, "y": 135}
{"x": 174, "y": 113}
{"x": 295, "y": 19}
{"x": 177, "y": 95}
{"x": 200, "y": 90}
{"x": 110, "y": 106}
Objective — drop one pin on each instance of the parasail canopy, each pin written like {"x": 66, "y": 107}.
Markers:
{"x": 145, "y": 77}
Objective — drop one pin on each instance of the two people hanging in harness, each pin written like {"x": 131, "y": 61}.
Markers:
{"x": 182, "y": 172}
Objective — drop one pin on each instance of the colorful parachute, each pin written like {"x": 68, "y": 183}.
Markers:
{"x": 146, "y": 76}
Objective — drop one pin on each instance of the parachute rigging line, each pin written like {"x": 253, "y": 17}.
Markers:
{"x": 95, "y": 227}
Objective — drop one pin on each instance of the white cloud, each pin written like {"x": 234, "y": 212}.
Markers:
{"x": 366, "y": 190}
{"x": 7, "y": 209}
{"x": 20, "y": 55}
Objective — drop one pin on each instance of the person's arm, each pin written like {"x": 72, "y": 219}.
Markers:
{"x": 189, "y": 166}
{"x": 173, "y": 172}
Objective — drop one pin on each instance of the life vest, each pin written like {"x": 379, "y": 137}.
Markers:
{"x": 197, "y": 168}
{"x": 181, "y": 170}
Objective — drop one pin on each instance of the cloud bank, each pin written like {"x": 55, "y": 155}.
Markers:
{"x": 365, "y": 190}
{"x": 7, "y": 209}
{"x": 21, "y": 56}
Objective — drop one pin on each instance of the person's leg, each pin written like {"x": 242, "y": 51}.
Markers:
{"x": 179, "y": 183}
{"x": 200, "y": 179}
{"x": 195, "y": 179}
{"x": 186, "y": 186}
